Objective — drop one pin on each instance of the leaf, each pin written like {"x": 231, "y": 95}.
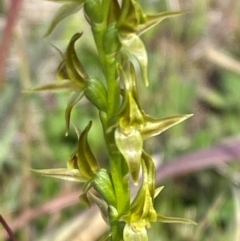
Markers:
{"x": 75, "y": 98}
{"x": 64, "y": 11}
{"x": 153, "y": 20}
{"x": 164, "y": 219}
{"x": 62, "y": 173}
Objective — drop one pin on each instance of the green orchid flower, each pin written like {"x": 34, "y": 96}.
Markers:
{"x": 134, "y": 126}
{"x": 133, "y": 22}
{"x": 116, "y": 28}
{"x": 142, "y": 212}
{"x": 83, "y": 167}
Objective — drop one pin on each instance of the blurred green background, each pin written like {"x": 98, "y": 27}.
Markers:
{"x": 194, "y": 67}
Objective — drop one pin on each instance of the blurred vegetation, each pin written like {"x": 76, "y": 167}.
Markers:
{"x": 194, "y": 68}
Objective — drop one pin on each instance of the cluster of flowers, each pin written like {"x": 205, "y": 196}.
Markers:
{"x": 116, "y": 30}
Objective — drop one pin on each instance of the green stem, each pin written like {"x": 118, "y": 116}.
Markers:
{"x": 106, "y": 4}
{"x": 98, "y": 34}
{"x": 120, "y": 182}
{"x": 113, "y": 87}
{"x": 118, "y": 170}
{"x": 118, "y": 167}
{"x": 116, "y": 234}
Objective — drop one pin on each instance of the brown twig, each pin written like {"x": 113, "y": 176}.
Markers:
{"x": 8, "y": 229}
{"x": 14, "y": 9}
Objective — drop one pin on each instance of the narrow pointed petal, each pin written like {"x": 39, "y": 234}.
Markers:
{"x": 63, "y": 86}
{"x": 87, "y": 163}
{"x": 75, "y": 98}
{"x": 142, "y": 203}
{"x": 133, "y": 45}
{"x": 154, "y": 127}
{"x": 64, "y": 11}
{"x": 157, "y": 191}
{"x": 62, "y": 173}
{"x": 150, "y": 172}
{"x": 131, "y": 16}
{"x": 75, "y": 70}
{"x": 164, "y": 219}
{"x": 85, "y": 149}
{"x": 148, "y": 211}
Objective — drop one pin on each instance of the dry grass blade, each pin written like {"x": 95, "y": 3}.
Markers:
{"x": 206, "y": 158}
{"x": 14, "y": 9}
{"x": 80, "y": 228}
{"x": 210, "y": 215}
{"x": 222, "y": 59}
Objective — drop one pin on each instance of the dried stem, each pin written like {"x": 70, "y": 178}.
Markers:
{"x": 14, "y": 9}
{"x": 8, "y": 229}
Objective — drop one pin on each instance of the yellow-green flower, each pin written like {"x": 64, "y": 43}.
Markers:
{"x": 134, "y": 126}
{"x": 142, "y": 212}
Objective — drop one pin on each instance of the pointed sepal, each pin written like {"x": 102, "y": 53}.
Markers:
{"x": 153, "y": 20}
{"x": 62, "y": 173}
{"x": 65, "y": 85}
{"x": 155, "y": 127}
{"x": 133, "y": 45}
